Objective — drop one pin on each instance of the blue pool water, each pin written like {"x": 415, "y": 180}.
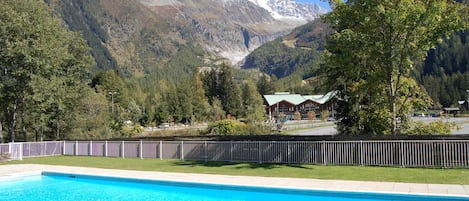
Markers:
{"x": 57, "y": 186}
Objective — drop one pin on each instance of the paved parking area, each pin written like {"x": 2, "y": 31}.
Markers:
{"x": 330, "y": 129}
{"x": 387, "y": 187}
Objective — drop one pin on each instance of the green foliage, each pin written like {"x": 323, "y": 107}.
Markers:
{"x": 265, "y": 85}
{"x": 219, "y": 84}
{"x": 445, "y": 72}
{"x": 78, "y": 15}
{"x": 131, "y": 130}
{"x": 44, "y": 70}
{"x": 436, "y": 127}
{"x": 225, "y": 127}
{"x": 370, "y": 57}
{"x": 253, "y": 103}
{"x": 232, "y": 127}
{"x": 92, "y": 122}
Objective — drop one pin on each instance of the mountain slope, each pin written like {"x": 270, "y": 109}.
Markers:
{"x": 297, "y": 51}
{"x": 150, "y": 36}
{"x": 233, "y": 28}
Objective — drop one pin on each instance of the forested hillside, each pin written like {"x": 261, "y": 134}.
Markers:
{"x": 445, "y": 72}
{"x": 296, "y": 53}
{"x": 78, "y": 16}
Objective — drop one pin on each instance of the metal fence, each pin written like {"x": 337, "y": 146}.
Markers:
{"x": 32, "y": 149}
{"x": 441, "y": 153}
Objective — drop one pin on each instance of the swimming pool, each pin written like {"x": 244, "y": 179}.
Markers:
{"x": 59, "y": 186}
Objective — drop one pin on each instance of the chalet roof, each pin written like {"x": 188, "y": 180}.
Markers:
{"x": 321, "y": 99}
{"x": 294, "y": 99}
{"x": 297, "y": 99}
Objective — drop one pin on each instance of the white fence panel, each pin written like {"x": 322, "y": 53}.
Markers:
{"x": 438, "y": 153}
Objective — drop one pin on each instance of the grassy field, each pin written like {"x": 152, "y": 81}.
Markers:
{"x": 358, "y": 173}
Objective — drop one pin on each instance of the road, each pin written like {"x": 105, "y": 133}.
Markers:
{"x": 329, "y": 129}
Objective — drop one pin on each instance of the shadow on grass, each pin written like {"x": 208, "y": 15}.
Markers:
{"x": 235, "y": 165}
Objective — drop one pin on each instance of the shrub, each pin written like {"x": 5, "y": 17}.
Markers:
{"x": 311, "y": 115}
{"x": 297, "y": 115}
{"x": 231, "y": 127}
{"x": 436, "y": 127}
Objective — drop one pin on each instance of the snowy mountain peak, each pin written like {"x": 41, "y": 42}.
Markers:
{"x": 290, "y": 9}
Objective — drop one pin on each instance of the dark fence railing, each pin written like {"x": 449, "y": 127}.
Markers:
{"x": 438, "y": 153}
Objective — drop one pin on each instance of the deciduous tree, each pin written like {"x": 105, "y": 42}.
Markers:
{"x": 42, "y": 69}
{"x": 371, "y": 54}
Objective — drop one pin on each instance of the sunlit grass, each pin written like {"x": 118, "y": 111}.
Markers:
{"x": 358, "y": 173}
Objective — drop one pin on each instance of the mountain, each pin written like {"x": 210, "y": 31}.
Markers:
{"x": 290, "y": 10}
{"x": 233, "y": 28}
{"x": 170, "y": 38}
{"x": 297, "y": 52}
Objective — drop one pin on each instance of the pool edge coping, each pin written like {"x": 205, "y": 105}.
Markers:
{"x": 269, "y": 182}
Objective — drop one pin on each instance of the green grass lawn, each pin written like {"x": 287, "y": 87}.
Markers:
{"x": 358, "y": 173}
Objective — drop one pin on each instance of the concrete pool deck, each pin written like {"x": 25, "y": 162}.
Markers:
{"x": 339, "y": 185}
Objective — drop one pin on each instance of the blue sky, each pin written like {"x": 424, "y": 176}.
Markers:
{"x": 322, "y": 3}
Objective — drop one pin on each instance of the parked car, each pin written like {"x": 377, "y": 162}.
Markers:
{"x": 164, "y": 125}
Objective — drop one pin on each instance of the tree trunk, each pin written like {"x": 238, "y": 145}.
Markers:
{"x": 392, "y": 105}
{"x": 12, "y": 124}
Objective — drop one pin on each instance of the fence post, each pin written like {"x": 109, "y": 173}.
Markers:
{"x": 20, "y": 155}
{"x": 205, "y": 151}
{"x": 140, "y": 149}
{"x": 259, "y": 151}
{"x": 76, "y": 147}
{"x": 182, "y": 150}
{"x": 288, "y": 152}
{"x": 123, "y": 149}
{"x": 105, "y": 148}
{"x": 45, "y": 149}
{"x": 231, "y": 151}
{"x": 362, "y": 154}
{"x": 324, "y": 162}
{"x": 63, "y": 148}
{"x": 161, "y": 150}
{"x": 91, "y": 148}
{"x": 443, "y": 153}
{"x": 402, "y": 154}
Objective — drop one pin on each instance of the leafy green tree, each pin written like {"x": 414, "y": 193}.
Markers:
{"x": 199, "y": 101}
{"x": 252, "y": 101}
{"x": 112, "y": 85}
{"x": 43, "y": 67}
{"x": 93, "y": 117}
{"x": 373, "y": 50}
{"x": 216, "y": 110}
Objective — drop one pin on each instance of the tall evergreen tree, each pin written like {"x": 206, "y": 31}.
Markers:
{"x": 228, "y": 92}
